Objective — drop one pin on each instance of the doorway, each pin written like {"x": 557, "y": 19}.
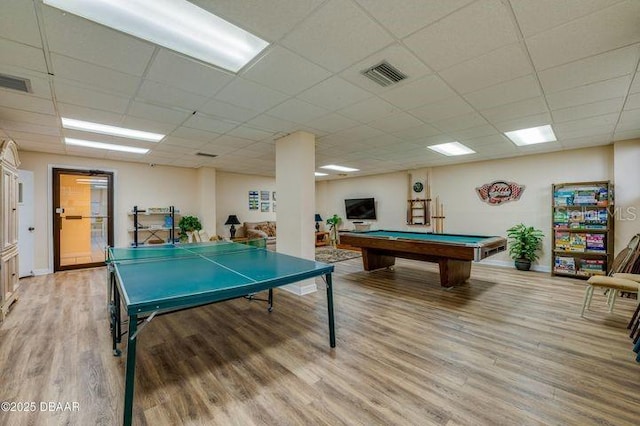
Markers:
{"x": 82, "y": 217}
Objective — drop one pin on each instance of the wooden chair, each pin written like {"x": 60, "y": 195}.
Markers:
{"x": 620, "y": 279}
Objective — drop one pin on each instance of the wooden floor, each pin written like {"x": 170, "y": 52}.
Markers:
{"x": 509, "y": 348}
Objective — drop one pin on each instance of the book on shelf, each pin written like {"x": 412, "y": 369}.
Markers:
{"x": 595, "y": 242}
{"x": 590, "y": 267}
{"x": 577, "y": 243}
{"x": 563, "y": 241}
{"x": 565, "y": 265}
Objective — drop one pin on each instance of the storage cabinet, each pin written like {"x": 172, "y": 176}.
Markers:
{"x": 583, "y": 222}
{"x": 154, "y": 225}
{"x": 9, "y": 283}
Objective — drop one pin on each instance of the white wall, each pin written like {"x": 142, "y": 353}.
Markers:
{"x": 627, "y": 191}
{"x": 135, "y": 184}
{"x": 232, "y": 197}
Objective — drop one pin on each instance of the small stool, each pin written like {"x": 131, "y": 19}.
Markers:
{"x": 614, "y": 284}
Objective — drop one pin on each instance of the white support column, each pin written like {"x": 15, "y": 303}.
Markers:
{"x": 207, "y": 199}
{"x": 295, "y": 185}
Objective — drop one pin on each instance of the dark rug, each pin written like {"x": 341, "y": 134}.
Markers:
{"x": 332, "y": 255}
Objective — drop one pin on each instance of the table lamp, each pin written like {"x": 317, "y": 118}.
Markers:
{"x": 318, "y": 220}
{"x": 232, "y": 220}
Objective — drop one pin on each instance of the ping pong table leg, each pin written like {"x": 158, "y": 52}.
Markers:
{"x": 270, "y": 301}
{"x": 130, "y": 374}
{"x": 115, "y": 318}
{"x": 332, "y": 330}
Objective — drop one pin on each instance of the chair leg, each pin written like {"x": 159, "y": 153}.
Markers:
{"x": 612, "y": 301}
{"x": 587, "y": 299}
{"x": 635, "y": 316}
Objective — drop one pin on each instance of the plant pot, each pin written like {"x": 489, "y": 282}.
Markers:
{"x": 523, "y": 264}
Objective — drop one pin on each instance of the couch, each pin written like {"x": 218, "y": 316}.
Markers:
{"x": 265, "y": 229}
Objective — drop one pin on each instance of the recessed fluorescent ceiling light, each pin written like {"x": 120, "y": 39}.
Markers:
{"x": 339, "y": 168}
{"x": 452, "y": 148}
{"x": 532, "y": 135}
{"x": 107, "y": 146}
{"x": 175, "y": 24}
{"x": 321, "y": 174}
{"x": 103, "y": 129}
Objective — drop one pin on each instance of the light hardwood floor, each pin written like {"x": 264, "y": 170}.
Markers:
{"x": 509, "y": 348}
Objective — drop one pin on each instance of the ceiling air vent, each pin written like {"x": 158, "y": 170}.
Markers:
{"x": 384, "y": 74}
{"x": 204, "y": 154}
{"x": 15, "y": 83}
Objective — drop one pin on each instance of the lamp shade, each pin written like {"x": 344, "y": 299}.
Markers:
{"x": 232, "y": 220}
{"x": 318, "y": 218}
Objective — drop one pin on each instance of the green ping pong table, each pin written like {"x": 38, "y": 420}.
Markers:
{"x": 150, "y": 281}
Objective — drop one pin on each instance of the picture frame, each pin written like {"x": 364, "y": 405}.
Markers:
{"x": 264, "y": 207}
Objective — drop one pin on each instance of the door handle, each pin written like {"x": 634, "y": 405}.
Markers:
{"x": 68, "y": 217}
{"x": 31, "y": 228}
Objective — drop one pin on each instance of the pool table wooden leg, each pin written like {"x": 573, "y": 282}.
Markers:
{"x": 454, "y": 272}
{"x": 372, "y": 260}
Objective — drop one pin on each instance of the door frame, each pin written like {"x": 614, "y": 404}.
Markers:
{"x": 23, "y": 223}
{"x": 54, "y": 251}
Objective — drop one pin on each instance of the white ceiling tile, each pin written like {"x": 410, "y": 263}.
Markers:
{"x": 285, "y": 71}
{"x": 460, "y": 122}
{"x": 18, "y": 22}
{"x": 26, "y": 102}
{"x": 186, "y": 74}
{"x": 627, "y": 134}
{"x": 629, "y": 120}
{"x": 89, "y": 114}
{"x": 202, "y": 122}
{"x": 608, "y": 120}
{"x": 11, "y": 114}
{"x": 412, "y": 15}
{"x": 230, "y": 142}
{"x": 369, "y": 110}
{"x": 396, "y": 122}
{"x": 162, "y": 94}
{"x": 505, "y": 93}
{"x": 348, "y": 135}
{"x": 154, "y": 112}
{"x": 332, "y": 123}
{"x": 494, "y": 139}
{"x": 79, "y": 38}
{"x": 298, "y": 111}
{"x": 94, "y": 75}
{"x": 36, "y": 137}
{"x": 633, "y": 101}
{"x": 24, "y": 126}
{"x": 270, "y": 20}
{"x": 337, "y": 35}
{"x": 541, "y": 15}
{"x": 195, "y": 134}
{"x": 182, "y": 143}
{"x": 605, "y": 66}
{"x": 147, "y": 125}
{"x": 589, "y": 93}
{"x": 608, "y": 29}
{"x": 39, "y": 82}
{"x": 469, "y": 32}
{"x": 588, "y": 110}
{"x": 524, "y": 122}
{"x": 473, "y": 132}
{"x": 583, "y": 132}
{"x": 250, "y": 95}
{"x": 586, "y": 141}
{"x": 27, "y": 145}
{"x": 503, "y": 64}
{"x": 228, "y": 111}
{"x": 418, "y": 132}
{"x": 635, "y": 86}
{"x": 67, "y": 92}
{"x": 396, "y": 55}
{"x": 415, "y": 93}
{"x": 442, "y": 109}
{"x": 21, "y": 55}
{"x": 250, "y": 133}
{"x": 334, "y": 93}
{"x": 513, "y": 110}
{"x": 273, "y": 124}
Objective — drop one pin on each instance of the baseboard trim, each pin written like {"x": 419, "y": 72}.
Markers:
{"x": 509, "y": 264}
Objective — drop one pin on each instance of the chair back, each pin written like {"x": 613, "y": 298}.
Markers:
{"x": 628, "y": 257}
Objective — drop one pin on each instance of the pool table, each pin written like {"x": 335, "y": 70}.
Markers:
{"x": 452, "y": 252}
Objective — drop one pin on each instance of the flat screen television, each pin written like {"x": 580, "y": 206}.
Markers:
{"x": 360, "y": 208}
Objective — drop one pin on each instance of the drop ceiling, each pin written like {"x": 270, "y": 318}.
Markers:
{"x": 475, "y": 69}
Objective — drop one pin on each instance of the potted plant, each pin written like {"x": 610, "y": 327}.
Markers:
{"x": 333, "y": 228}
{"x": 524, "y": 243}
{"x": 187, "y": 225}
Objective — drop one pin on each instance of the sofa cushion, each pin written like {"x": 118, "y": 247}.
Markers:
{"x": 256, "y": 233}
{"x": 268, "y": 228}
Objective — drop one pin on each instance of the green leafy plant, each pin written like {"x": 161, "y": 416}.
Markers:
{"x": 333, "y": 223}
{"x": 189, "y": 224}
{"x": 524, "y": 242}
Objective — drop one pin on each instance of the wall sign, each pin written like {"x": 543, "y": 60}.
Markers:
{"x": 499, "y": 191}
